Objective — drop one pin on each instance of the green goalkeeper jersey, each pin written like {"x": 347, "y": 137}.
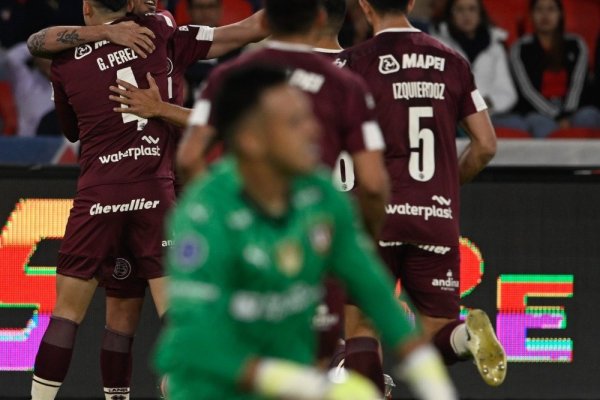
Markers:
{"x": 246, "y": 285}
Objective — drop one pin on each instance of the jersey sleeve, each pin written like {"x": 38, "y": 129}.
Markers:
{"x": 362, "y": 130}
{"x": 191, "y": 43}
{"x": 202, "y": 112}
{"x": 67, "y": 118}
{"x": 471, "y": 101}
{"x": 201, "y": 270}
{"x": 354, "y": 262}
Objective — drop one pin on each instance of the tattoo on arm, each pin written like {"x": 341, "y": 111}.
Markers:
{"x": 70, "y": 38}
{"x": 36, "y": 43}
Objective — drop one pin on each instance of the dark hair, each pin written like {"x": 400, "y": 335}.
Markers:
{"x": 555, "y": 56}
{"x": 291, "y": 16}
{"x": 484, "y": 18}
{"x": 561, "y": 23}
{"x": 112, "y": 5}
{"x": 240, "y": 93}
{"x": 389, "y": 6}
{"x": 336, "y": 13}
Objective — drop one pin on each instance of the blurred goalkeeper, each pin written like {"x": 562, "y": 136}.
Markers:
{"x": 253, "y": 241}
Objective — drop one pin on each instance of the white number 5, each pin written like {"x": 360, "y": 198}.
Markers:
{"x": 421, "y": 164}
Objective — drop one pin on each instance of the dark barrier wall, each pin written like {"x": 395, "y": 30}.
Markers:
{"x": 530, "y": 258}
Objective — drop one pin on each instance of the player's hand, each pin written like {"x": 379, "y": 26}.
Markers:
{"x": 145, "y": 103}
{"x": 130, "y": 34}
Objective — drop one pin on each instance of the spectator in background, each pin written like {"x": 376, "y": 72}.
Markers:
{"x": 204, "y": 12}
{"x": 29, "y": 78}
{"x": 468, "y": 30}
{"x": 550, "y": 68}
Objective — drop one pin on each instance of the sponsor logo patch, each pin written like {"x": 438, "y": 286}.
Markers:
{"x": 82, "y": 51}
{"x": 388, "y": 64}
{"x": 449, "y": 284}
{"x": 191, "y": 252}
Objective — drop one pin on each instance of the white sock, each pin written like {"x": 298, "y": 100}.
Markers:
{"x": 43, "y": 389}
{"x": 116, "y": 393}
{"x": 458, "y": 340}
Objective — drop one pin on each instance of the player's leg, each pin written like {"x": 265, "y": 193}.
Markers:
{"x": 158, "y": 290}
{"x": 124, "y": 299}
{"x": 432, "y": 281}
{"x": 52, "y": 361}
{"x": 363, "y": 351}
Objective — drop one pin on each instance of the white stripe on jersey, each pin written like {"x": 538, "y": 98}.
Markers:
{"x": 205, "y": 33}
{"x": 200, "y": 113}
{"x": 372, "y": 136}
{"x": 478, "y": 100}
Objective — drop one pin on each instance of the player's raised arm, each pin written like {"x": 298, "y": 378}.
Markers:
{"x": 230, "y": 37}
{"x": 50, "y": 41}
{"x": 482, "y": 148}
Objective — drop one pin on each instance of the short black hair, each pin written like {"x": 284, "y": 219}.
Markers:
{"x": 336, "y": 13}
{"x": 291, "y": 16}
{"x": 240, "y": 92}
{"x": 112, "y": 5}
{"x": 389, "y": 6}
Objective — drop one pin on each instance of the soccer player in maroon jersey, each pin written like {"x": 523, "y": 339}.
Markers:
{"x": 423, "y": 90}
{"x": 124, "y": 189}
{"x": 335, "y": 93}
{"x": 186, "y": 46}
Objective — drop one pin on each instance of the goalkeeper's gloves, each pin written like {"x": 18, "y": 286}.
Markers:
{"x": 425, "y": 374}
{"x": 284, "y": 379}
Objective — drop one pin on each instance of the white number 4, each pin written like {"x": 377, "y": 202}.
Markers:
{"x": 126, "y": 74}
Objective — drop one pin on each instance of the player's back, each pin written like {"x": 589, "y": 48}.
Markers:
{"x": 340, "y": 98}
{"x": 422, "y": 89}
{"x": 116, "y": 148}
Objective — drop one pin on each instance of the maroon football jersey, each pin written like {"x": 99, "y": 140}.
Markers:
{"x": 115, "y": 148}
{"x": 422, "y": 90}
{"x": 341, "y": 101}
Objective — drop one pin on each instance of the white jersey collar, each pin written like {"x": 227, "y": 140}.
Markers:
{"x": 285, "y": 46}
{"x": 329, "y": 51}
{"x": 411, "y": 29}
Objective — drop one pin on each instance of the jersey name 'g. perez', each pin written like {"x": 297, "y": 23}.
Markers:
{"x": 116, "y": 58}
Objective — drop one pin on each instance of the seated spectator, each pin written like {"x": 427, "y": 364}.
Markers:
{"x": 550, "y": 68}
{"x": 29, "y": 77}
{"x": 468, "y": 30}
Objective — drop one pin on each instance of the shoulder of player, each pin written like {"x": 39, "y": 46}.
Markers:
{"x": 156, "y": 22}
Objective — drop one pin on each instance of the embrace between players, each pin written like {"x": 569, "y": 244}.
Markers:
{"x": 255, "y": 235}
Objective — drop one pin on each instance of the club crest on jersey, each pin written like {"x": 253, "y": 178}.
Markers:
{"x": 320, "y": 238}
{"x": 82, "y": 51}
{"x": 388, "y": 64}
{"x": 289, "y": 257}
{"x": 122, "y": 269}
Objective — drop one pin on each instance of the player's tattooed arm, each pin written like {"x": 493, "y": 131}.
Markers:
{"x": 51, "y": 41}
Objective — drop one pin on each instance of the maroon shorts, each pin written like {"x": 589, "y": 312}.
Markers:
{"x": 431, "y": 280}
{"x": 115, "y": 233}
{"x": 329, "y": 320}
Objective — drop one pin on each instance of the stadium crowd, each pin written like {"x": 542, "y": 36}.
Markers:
{"x": 538, "y": 67}
{"x": 239, "y": 273}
